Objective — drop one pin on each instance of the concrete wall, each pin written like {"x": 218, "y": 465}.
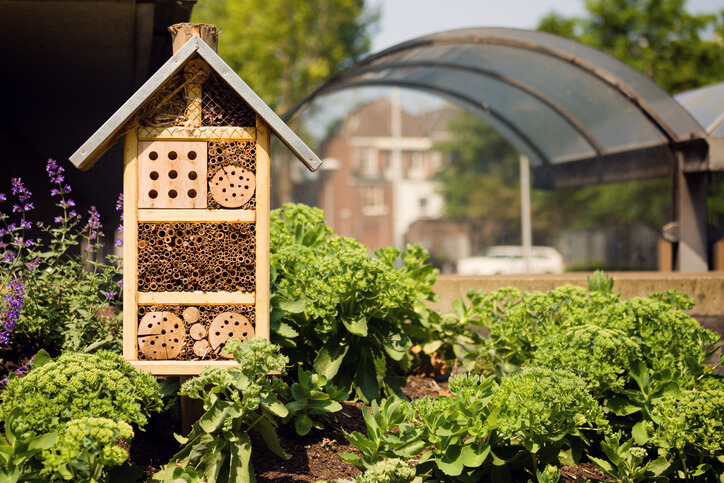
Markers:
{"x": 707, "y": 288}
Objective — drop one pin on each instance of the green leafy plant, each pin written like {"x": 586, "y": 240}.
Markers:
{"x": 627, "y": 463}
{"x": 77, "y": 385}
{"x": 690, "y": 429}
{"x": 236, "y": 401}
{"x": 312, "y": 401}
{"x": 602, "y": 357}
{"x": 549, "y": 475}
{"x": 86, "y": 448}
{"x": 548, "y": 413}
{"x": 338, "y": 311}
{"x": 20, "y": 444}
{"x": 390, "y": 470}
{"x": 451, "y": 433}
{"x": 380, "y": 442}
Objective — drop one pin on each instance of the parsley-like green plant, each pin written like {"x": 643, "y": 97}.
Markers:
{"x": 77, "y": 385}
{"x": 85, "y": 449}
{"x": 312, "y": 401}
{"x": 690, "y": 430}
{"x": 236, "y": 401}
{"x": 340, "y": 312}
{"x": 602, "y": 357}
{"x": 548, "y": 413}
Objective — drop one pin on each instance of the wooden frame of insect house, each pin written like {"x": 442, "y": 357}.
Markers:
{"x": 196, "y": 211}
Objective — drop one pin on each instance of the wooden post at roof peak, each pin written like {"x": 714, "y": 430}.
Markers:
{"x": 182, "y": 32}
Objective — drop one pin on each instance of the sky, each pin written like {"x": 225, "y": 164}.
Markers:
{"x": 407, "y": 19}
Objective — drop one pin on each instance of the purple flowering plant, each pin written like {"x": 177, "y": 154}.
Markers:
{"x": 59, "y": 292}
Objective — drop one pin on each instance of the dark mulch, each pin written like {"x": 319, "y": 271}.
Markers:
{"x": 315, "y": 456}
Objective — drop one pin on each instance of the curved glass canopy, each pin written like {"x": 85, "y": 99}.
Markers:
{"x": 581, "y": 116}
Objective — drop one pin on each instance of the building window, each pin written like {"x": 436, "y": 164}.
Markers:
{"x": 373, "y": 201}
{"x": 368, "y": 166}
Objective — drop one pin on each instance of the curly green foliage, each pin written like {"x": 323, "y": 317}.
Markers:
{"x": 85, "y": 448}
{"x": 540, "y": 406}
{"x": 516, "y": 321}
{"x": 390, "y": 470}
{"x": 77, "y": 385}
{"x": 692, "y": 423}
{"x": 235, "y": 401}
{"x": 601, "y": 357}
{"x": 668, "y": 338}
{"x": 339, "y": 311}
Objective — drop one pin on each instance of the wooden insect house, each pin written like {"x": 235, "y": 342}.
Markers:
{"x": 196, "y": 187}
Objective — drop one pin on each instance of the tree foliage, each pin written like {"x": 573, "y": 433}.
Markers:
{"x": 285, "y": 48}
{"x": 676, "y": 49}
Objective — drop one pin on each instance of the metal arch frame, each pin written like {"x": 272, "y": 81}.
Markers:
{"x": 608, "y": 78}
{"x": 535, "y": 93}
{"x": 466, "y": 37}
{"x": 459, "y": 97}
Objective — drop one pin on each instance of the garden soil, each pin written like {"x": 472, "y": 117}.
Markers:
{"x": 314, "y": 457}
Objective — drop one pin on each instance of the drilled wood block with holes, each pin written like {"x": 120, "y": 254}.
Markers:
{"x": 196, "y": 211}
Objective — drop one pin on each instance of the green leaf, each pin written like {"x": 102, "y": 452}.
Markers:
{"x": 366, "y": 376}
{"x": 621, "y": 406}
{"x": 292, "y": 306}
{"x": 474, "y": 455}
{"x": 285, "y": 330}
{"x": 42, "y": 442}
{"x": 330, "y": 357}
{"x": 352, "y": 459}
{"x": 659, "y": 466}
{"x": 240, "y": 468}
{"x": 640, "y": 433}
{"x": 269, "y": 434}
{"x": 451, "y": 462}
{"x": 357, "y": 326}
{"x": 604, "y": 465}
{"x": 303, "y": 424}
{"x": 432, "y": 346}
{"x": 41, "y": 358}
{"x": 214, "y": 417}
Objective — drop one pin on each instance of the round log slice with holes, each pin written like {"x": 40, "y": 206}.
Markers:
{"x": 161, "y": 335}
{"x": 228, "y": 325}
{"x": 232, "y": 186}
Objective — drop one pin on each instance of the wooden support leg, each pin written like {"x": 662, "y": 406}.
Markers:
{"x": 191, "y": 410}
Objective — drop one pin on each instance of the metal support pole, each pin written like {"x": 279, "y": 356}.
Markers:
{"x": 525, "y": 217}
{"x": 691, "y": 200}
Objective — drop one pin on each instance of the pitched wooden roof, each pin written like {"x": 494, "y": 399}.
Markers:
{"x": 87, "y": 155}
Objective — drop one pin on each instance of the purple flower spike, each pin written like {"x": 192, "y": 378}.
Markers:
{"x": 19, "y": 189}
{"x": 55, "y": 172}
{"x": 110, "y": 295}
{"x": 3, "y": 197}
{"x": 10, "y": 315}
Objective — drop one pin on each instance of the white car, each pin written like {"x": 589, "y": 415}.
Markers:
{"x": 509, "y": 259}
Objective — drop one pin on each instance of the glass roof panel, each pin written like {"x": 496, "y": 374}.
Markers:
{"x": 603, "y": 113}
{"x": 553, "y": 135}
{"x": 706, "y": 104}
{"x": 640, "y": 87}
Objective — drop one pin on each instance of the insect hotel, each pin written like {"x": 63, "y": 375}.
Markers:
{"x": 196, "y": 208}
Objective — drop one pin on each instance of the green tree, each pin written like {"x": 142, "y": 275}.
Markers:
{"x": 676, "y": 49}
{"x": 480, "y": 182}
{"x": 285, "y": 48}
